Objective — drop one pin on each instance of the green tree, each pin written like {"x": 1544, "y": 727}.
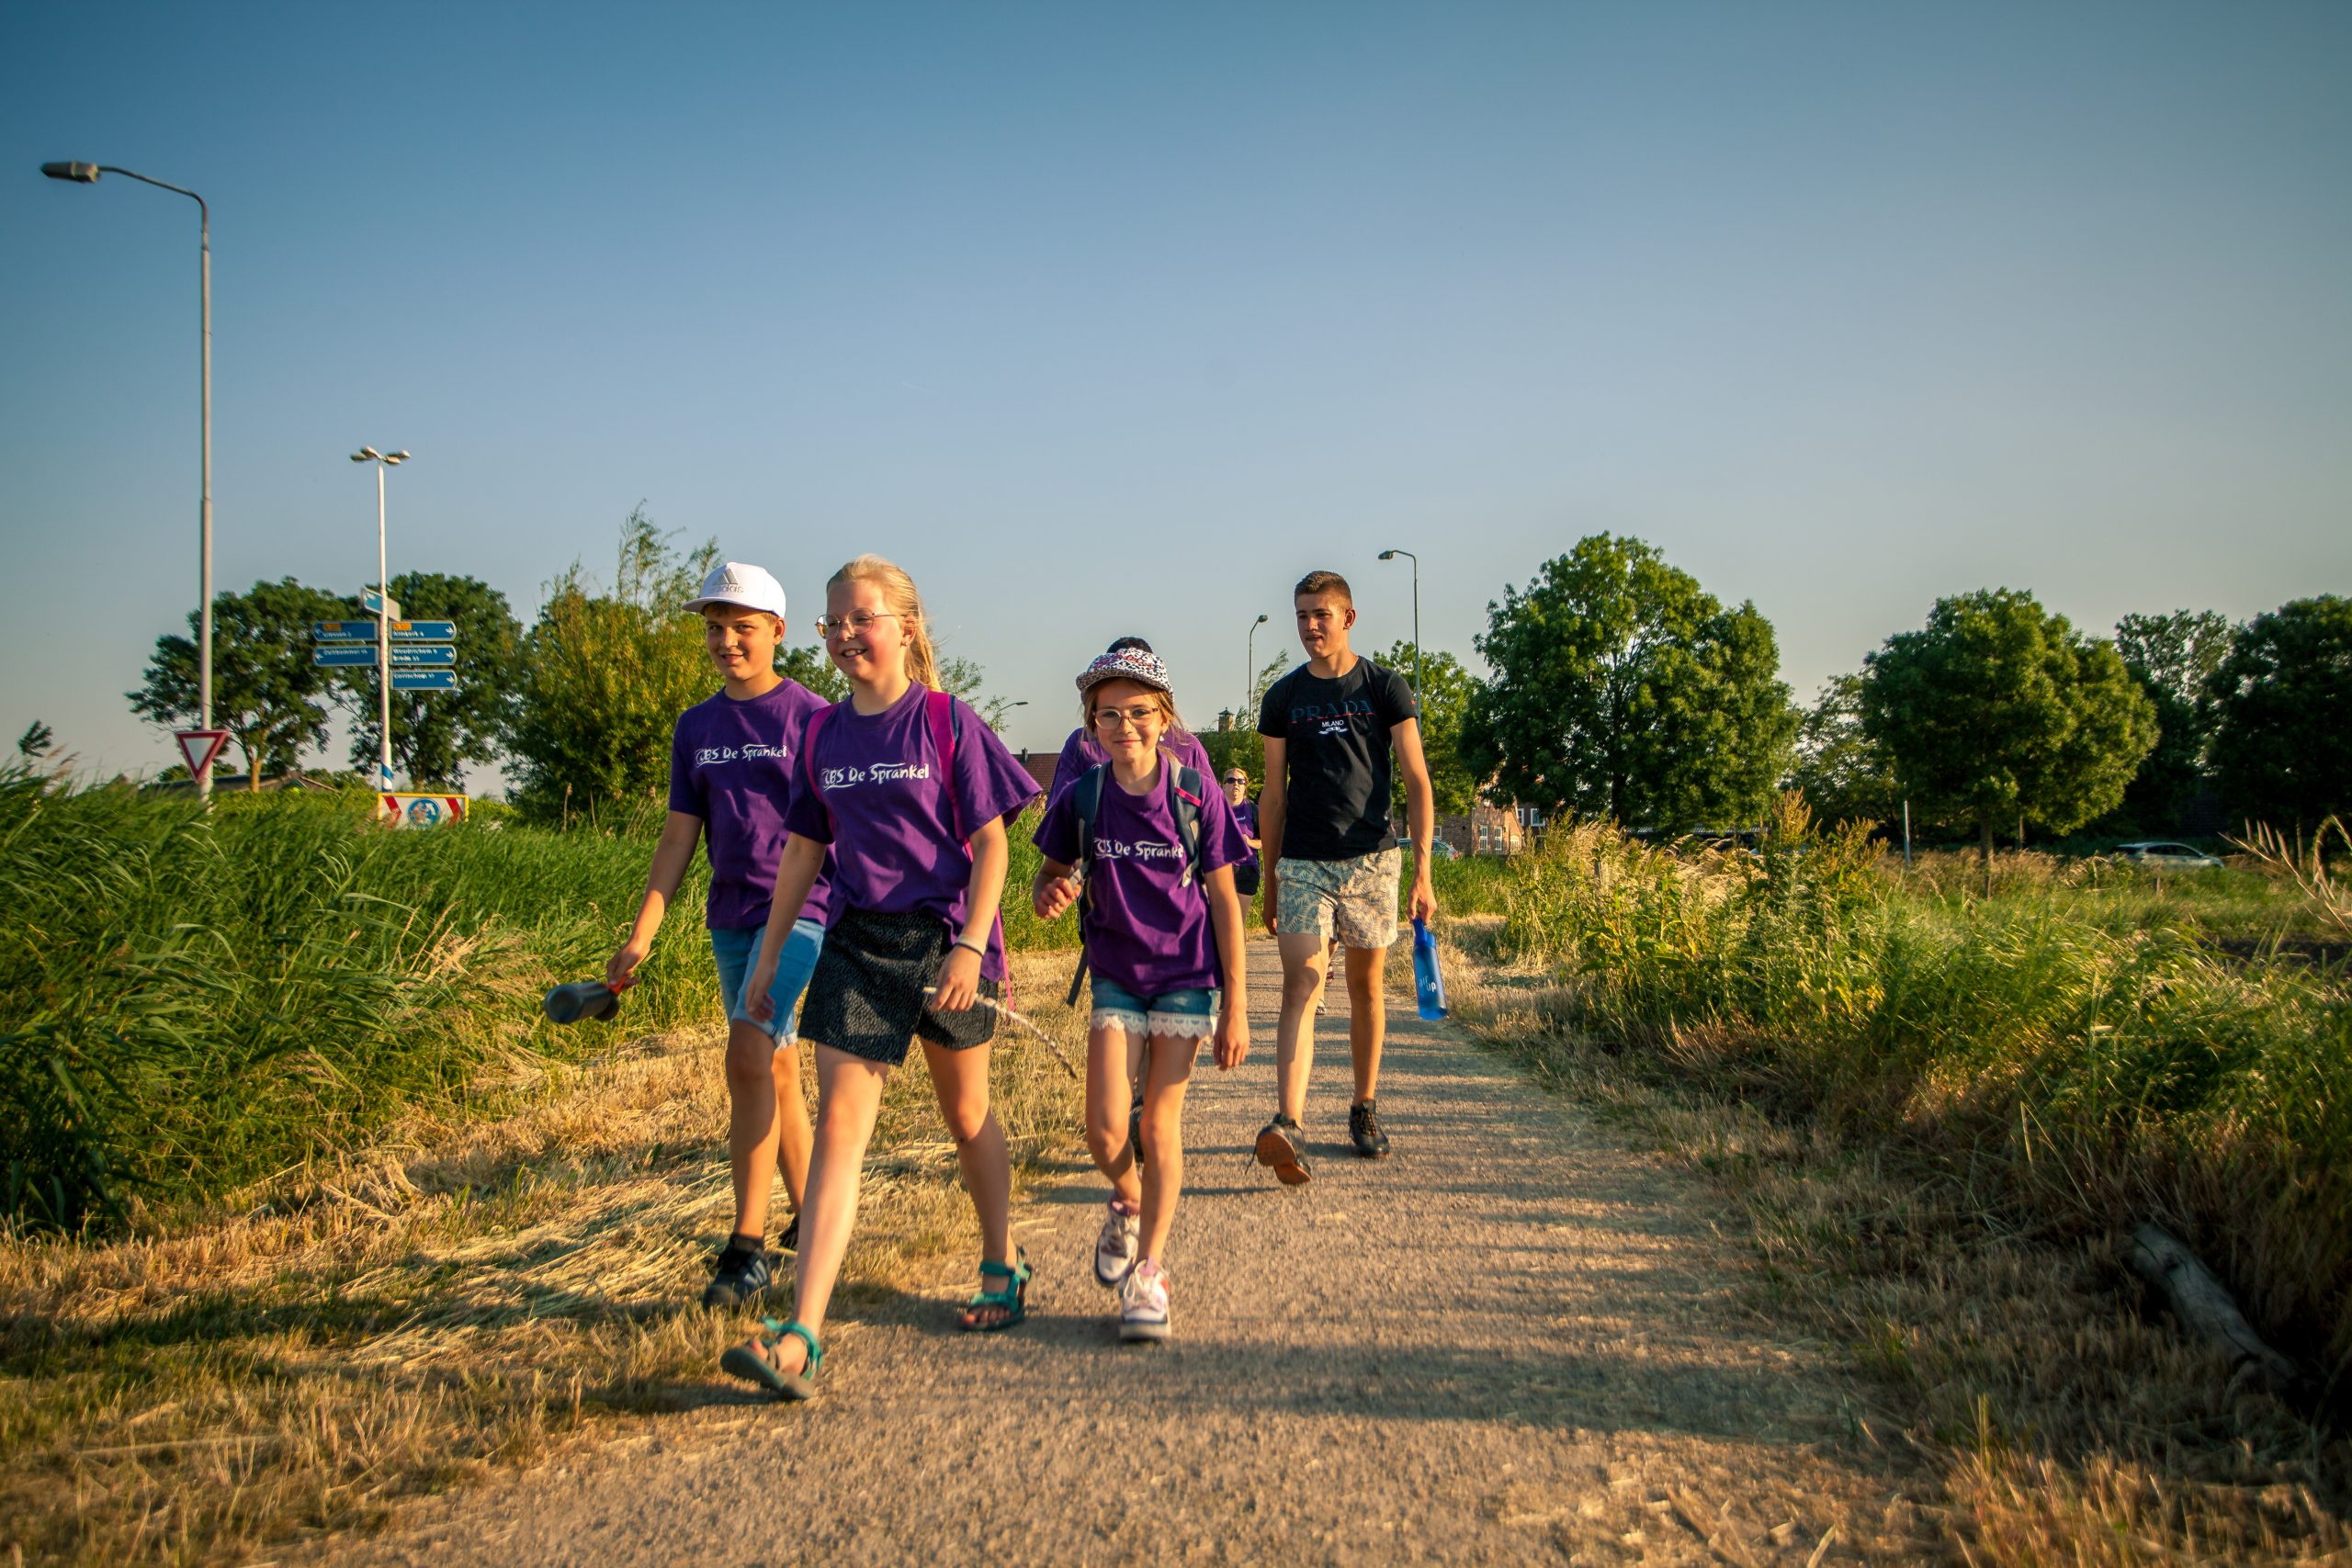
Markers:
{"x": 2281, "y": 703}
{"x": 436, "y": 733}
{"x": 604, "y": 676}
{"x": 1445, "y": 691}
{"x": 1622, "y": 688}
{"x": 814, "y": 668}
{"x": 2172, "y": 657}
{"x": 2000, "y": 712}
{"x": 1843, "y": 774}
{"x": 267, "y": 693}
{"x": 964, "y": 678}
{"x": 37, "y": 743}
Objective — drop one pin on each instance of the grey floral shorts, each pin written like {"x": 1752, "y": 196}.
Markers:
{"x": 1354, "y": 900}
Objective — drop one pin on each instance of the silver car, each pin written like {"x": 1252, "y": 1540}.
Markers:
{"x": 2169, "y": 857}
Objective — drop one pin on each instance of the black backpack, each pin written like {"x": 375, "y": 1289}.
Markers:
{"x": 1187, "y": 797}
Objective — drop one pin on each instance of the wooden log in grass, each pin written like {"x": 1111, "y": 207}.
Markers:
{"x": 2206, "y": 1309}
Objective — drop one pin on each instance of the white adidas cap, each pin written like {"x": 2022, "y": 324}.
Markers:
{"x": 740, "y": 583}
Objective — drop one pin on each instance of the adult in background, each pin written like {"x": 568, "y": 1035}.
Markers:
{"x": 1245, "y": 816}
{"x": 1331, "y": 862}
{"x": 1081, "y": 753}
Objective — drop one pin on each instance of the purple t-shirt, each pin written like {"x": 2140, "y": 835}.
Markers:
{"x": 1245, "y": 816}
{"x": 882, "y": 801}
{"x": 1145, "y": 931}
{"x": 1082, "y": 751}
{"x": 734, "y": 764}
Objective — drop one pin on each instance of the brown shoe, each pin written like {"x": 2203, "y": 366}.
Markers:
{"x": 1278, "y": 1147}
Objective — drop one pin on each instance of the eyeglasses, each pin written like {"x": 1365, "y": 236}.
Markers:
{"x": 859, "y": 620}
{"x": 1124, "y": 718}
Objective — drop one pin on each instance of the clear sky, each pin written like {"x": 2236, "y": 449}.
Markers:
{"x": 1118, "y": 318}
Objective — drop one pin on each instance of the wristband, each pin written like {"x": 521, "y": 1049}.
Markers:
{"x": 971, "y": 947}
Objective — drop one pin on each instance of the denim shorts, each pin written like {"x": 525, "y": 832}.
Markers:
{"x": 738, "y": 949}
{"x": 1188, "y": 1014}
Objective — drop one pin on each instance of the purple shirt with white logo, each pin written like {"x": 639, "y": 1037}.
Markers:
{"x": 1082, "y": 751}
{"x": 1145, "y": 929}
{"x": 735, "y": 766}
{"x": 885, "y": 802}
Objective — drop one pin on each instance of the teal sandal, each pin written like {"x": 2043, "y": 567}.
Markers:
{"x": 1012, "y": 1297}
{"x": 742, "y": 1362}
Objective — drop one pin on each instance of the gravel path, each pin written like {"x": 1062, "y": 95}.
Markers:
{"x": 1512, "y": 1340}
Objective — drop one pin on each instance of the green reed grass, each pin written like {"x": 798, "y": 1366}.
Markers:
{"x": 189, "y": 1002}
{"x": 2112, "y": 1051}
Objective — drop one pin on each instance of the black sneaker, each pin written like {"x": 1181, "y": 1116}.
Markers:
{"x": 741, "y": 1277}
{"x": 1135, "y": 1130}
{"x": 1278, "y": 1146}
{"x": 790, "y": 1240}
{"x": 1363, "y": 1128}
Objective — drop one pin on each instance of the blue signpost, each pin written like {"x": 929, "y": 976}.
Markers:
{"x": 425, "y": 679}
{"x": 410, "y": 656}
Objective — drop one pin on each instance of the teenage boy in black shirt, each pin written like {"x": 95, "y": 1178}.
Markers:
{"x": 1331, "y": 862}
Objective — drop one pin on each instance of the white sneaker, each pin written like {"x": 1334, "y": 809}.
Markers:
{"x": 1114, "y": 1249}
{"x": 1143, "y": 1302}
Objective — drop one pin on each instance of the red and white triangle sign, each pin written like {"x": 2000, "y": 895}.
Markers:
{"x": 200, "y": 747}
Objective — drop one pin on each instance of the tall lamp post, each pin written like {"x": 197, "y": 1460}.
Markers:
{"x": 383, "y": 611}
{"x": 1391, "y": 555}
{"x": 87, "y": 174}
{"x": 1249, "y": 666}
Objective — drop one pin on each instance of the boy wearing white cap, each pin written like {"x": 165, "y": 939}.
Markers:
{"x": 732, "y": 760}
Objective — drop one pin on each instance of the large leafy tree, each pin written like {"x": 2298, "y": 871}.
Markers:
{"x": 1622, "y": 688}
{"x": 1998, "y": 711}
{"x": 604, "y": 674}
{"x": 814, "y": 668}
{"x": 267, "y": 693}
{"x": 436, "y": 733}
{"x": 1445, "y": 691}
{"x": 2281, "y": 703}
{"x": 1844, "y": 776}
{"x": 2172, "y": 656}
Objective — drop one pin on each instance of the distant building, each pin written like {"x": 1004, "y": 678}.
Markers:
{"x": 1039, "y": 765}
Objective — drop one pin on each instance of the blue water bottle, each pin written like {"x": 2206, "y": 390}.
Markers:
{"x": 1428, "y": 983}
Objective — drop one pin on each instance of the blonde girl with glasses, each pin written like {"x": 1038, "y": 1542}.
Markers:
{"x": 1162, "y": 926}
{"x": 912, "y": 792}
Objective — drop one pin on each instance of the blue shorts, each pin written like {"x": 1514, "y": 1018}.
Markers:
{"x": 1188, "y": 1014}
{"x": 737, "y": 950}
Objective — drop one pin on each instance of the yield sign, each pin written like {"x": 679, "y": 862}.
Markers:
{"x": 200, "y": 747}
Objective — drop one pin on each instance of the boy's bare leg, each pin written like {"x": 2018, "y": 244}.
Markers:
{"x": 1303, "y": 972}
{"x": 767, "y": 1124}
{"x": 1367, "y": 1016}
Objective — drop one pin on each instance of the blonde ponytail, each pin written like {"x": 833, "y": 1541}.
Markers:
{"x": 899, "y": 592}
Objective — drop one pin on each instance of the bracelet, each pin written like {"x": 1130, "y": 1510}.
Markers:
{"x": 971, "y": 947}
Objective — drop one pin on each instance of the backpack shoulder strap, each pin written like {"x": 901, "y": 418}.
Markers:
{"x": 809, "y": 755}
{"x": 1086, "y": 799}
{"x": 939, "y": 716}
{"x": 1187, "y": 796}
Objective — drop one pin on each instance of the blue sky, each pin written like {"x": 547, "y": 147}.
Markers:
{"x": 1108, "y": 319}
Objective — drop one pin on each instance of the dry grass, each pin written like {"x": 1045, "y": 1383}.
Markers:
{"x": 460, "y": 1295}
{"x": 2067, "y": 1427}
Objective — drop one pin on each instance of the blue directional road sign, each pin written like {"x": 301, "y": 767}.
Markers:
{"x": 345, "y": 653}
{"x": 344, "y": 631}
{"x": 415, "y": 656}
{"x": 424, "y": 631}
{"x": 425, "y": 679}
{"x": 375, "y": 603}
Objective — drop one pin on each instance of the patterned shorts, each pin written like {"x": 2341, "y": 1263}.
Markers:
{"x": 1354, "y": 900}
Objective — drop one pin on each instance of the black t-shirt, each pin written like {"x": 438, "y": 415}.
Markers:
{"x": 1336, "y": 733}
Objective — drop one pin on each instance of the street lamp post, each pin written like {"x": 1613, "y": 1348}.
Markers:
{"x": 1249, "y": 666}
{"x": 1391, "y": 555}
{"x": 383, "y": 612}
{"x": 87, "y": 174}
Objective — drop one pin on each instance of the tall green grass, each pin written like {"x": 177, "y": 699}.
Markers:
{"x": 191, "y": 1001}
{"x": 2088, "y": 1043}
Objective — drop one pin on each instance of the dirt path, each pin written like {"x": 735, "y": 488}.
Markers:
{"x": 1512, "y": 1341}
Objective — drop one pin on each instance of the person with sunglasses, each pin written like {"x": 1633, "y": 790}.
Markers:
{"x": 1245, "y": 816}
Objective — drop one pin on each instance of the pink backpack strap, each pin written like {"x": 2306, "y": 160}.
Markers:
{"x": 939, "y": 714}
{"x": 809, "y": 756}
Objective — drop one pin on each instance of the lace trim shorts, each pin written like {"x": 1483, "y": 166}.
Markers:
{"x": 1186, "y": 1014}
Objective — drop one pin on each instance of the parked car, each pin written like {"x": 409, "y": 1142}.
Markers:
{"x": 2155, "y": 853}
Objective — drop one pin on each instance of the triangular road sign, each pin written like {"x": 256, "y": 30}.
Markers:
{"x": 200, "y": 747}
